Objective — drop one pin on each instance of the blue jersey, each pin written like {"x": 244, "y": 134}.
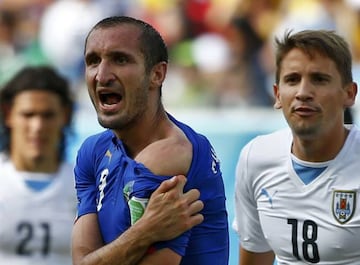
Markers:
{"x": 107, "y": 179}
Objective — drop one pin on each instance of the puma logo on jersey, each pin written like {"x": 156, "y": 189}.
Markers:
{"x": 266, "y": 194}
{"x": 109, "y": 155}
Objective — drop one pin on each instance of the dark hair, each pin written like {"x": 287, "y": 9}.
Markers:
{"x": 152, "y": 44}
{"x": 325, "y": 42}
{"x": 43, "y": 78}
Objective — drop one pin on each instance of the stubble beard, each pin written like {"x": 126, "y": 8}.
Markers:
{"x": 305, "y": 131}
{"x": 127, "y": 117}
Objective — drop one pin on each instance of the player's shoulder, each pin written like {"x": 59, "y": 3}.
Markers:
{"x": 6, "y": 165}
{"x": 66, "y": 168}
{"x": 271, "y": 144}
{"x": 354, "y": 132}
{"x": 351, "y": 149}
{"x": 3, "y": 158}
{"x": 8, "y": 175}
{"x": 96, "y": 142}
{"x": 98, "y": 137}
{"x": 275, "y": 138}
{"x": 64, "y": 182}
{"x": 199, "y": 142}
{"x": 169, "y": 156}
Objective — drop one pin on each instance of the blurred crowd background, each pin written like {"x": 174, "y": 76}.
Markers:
{"x": 221, "y": 58}
{"x": 221, "y": 52}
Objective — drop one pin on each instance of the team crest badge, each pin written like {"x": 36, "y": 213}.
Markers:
{"x": 343, "y": 205}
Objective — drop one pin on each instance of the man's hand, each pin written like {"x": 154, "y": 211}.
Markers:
{"x": 170, "y": 211}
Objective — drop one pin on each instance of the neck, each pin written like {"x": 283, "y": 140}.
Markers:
{"x": 40, "y": 164}
{"x": 148, "y": 130}
{"x": 319, "y": 149}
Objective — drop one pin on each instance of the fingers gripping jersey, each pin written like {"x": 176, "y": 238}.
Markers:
{"x": 317, "y": 223}
{"x": 109, "y": 183}
{"x": 35, "y": 226}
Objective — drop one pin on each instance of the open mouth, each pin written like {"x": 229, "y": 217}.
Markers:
{"x": 109, "y": 98}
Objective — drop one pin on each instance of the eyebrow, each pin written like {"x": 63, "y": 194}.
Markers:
{"x": 109, "y": 54}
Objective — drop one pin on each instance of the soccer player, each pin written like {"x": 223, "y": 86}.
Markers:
{"x": 37, "y": 195}
{"x": 297, "y": 189}
{"x": 117, "y": 170}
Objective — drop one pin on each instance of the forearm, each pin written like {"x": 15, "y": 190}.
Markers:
{"x": 169, "y": 213}
{"x": 127, "y": 249}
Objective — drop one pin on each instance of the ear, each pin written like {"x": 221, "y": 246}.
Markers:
{"x": 6, "y": 110}
{"x": 350, "y": 94}
{"x": 157, "y": 74}
{"x": 277, "y": 104}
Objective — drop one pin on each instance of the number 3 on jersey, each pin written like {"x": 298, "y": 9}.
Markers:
{"x": 309, "y": 234}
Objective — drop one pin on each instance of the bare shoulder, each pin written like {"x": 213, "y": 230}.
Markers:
{"x": 169, "y": 156}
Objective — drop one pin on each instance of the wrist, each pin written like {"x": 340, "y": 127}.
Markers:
{"x": 145, "y": 232}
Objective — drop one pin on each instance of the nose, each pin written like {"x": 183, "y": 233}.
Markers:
{"x": 37, "y": 123}
{"x": 104, "y": 75}
{"x": 305, "y": 91}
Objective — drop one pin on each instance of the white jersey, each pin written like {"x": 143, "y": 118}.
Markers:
{"x": 318, "y": 223}
{"x": 35, "y": 226}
